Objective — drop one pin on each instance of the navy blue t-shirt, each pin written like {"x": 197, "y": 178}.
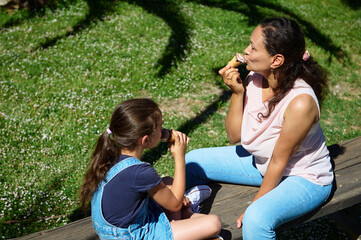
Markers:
{"x": 125, "y": 194}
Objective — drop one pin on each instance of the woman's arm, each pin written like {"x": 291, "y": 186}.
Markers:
{"x": 233, "y": 123}
{"x": 172, "y": 198}
{"x": 234, "y": 118}
{"x": 300, "y": 115}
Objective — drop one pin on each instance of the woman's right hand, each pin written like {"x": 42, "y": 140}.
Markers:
{"x": 232, "y": 79}
{"x": 179, "y": 147}
{"x": 239, "y": 220}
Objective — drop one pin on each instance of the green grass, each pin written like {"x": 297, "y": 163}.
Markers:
{"x": 63, "y": 70}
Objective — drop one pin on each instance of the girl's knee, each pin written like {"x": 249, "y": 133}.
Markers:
{"x": 215, "y": 223}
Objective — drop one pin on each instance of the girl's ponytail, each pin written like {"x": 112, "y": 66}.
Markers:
{"x": 103, "y": 158}
{"x": 131, "y": 120}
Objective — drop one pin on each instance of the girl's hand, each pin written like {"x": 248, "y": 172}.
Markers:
{"x": 239, "y": 220}
{"x": 179, "y": 147}
{"x": 186, "y": 202}
{"x": 232, "y": 79}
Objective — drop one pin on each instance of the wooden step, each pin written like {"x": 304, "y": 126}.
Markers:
{"x": 228, "y": 200}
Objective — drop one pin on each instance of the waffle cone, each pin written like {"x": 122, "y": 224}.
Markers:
{"x": 234, "y": 63}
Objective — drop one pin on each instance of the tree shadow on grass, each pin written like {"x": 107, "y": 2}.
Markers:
{"x": 97, "y": 10}
{"x": 353, "y": 4}
{"x": 250, "y": 9}
{"x": 167, "y": 10}
{"x": 178, "y": 44}
{"x": 33, "y": 9}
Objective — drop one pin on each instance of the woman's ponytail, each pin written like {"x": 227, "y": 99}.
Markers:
{"x": 316, "y": 77}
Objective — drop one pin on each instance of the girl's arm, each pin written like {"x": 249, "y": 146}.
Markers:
{"x": 172, "y": 198}
{"x": 299, "y": 117}
{"x": 233, "y": 123}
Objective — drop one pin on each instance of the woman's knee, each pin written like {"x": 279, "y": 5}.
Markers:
{"x": 193, "y": 156}
{"x": 195, "y": 174}
{"x": 191, "y": 161}
{"x": 255, "y": 223}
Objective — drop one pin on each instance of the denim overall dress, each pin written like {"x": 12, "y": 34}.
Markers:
{"x": 151, "y": 222}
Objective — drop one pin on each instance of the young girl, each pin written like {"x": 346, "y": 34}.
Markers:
{"x": 126, "y": 194}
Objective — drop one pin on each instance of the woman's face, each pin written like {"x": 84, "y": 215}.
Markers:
{"x": 258, "y": 59}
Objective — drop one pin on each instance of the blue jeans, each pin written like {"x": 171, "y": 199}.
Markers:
{"x": 293, "y": 197}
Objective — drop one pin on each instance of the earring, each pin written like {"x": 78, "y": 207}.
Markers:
{"x": 271, "y": 69}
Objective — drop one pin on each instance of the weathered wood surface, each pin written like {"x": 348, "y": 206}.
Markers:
{"x": 228, "y": 201}
{"x": 78, "y": 230}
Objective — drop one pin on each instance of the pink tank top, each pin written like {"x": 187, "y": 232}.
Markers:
{"x": 311, "y": 161}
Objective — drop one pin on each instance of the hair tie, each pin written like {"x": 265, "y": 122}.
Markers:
{"x": 108, "y": 131}
{"x": 306, "y": 56}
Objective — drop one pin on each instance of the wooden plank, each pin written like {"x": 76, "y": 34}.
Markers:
{"x": 342, "y": 160}
{"x": 79, "y": 230}
{"x": 228, "y": 200}
{"x": 347, "y": 158}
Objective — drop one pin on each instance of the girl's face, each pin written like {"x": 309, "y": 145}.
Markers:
{"x": 155, "y": 137}
{"x": 258, "y": 59}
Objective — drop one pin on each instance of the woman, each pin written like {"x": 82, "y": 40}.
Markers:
{"x": 276, "y": 119}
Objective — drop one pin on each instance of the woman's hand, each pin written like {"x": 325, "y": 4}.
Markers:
{"x": 179, "y": 147}
{"x": 232, "y": 79}
{"x": 239, "y": 220}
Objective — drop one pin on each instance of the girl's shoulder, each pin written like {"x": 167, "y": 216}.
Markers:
{"x": 144, "y": 176}
{"x": 140, "y": 176}
{"x": 122, "y": 164}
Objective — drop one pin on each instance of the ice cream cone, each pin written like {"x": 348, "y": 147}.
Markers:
{"x": 167, "y": 135}
{"x": 172, "y": 137}
{"x": 237, "y": 60}
{"x": 234, "y": 63}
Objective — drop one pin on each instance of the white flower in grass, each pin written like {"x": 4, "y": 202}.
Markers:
{"x": 44, "y": 136}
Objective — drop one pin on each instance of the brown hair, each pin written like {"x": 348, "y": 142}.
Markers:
{"x": 284, "y": 36}
{"x": 131, "y": 120}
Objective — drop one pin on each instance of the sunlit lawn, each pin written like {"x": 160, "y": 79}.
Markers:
{"x": 62, "y": 72}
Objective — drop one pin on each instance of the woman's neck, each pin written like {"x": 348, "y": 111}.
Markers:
{"x": 269, "y": 81}
{"x": 268, "y": 84}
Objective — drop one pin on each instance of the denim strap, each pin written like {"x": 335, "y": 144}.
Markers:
{"x": 120, "y": 166}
